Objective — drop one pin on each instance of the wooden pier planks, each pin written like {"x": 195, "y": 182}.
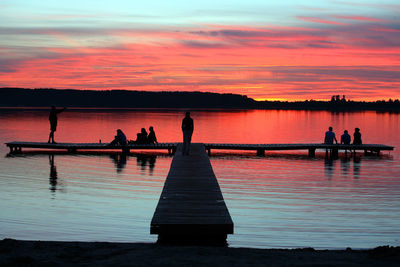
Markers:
{"x": 261, "y": 148}
{"x": 16, "y": 146}
{"x": 191, "y": 205}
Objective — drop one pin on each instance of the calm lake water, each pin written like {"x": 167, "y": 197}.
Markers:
{"x": 282, "y": 200}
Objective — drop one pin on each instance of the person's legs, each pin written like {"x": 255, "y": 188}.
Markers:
{"x": 187, "y": 138}
{"x": 51, "y": 134}
{"x": 189, "y": 141}
{"x": 185, "y": 143}
{"x": 51, "y": 137}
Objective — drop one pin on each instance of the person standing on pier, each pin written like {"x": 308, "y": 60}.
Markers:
{"x": 187, "y": 129}
{"x": 53, "y": 122}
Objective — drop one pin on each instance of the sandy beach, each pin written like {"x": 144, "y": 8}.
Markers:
{"x": 51, "y": 253}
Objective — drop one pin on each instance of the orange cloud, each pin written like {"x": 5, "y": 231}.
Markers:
{"x": 359, "y": 60}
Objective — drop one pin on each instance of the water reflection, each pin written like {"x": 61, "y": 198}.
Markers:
{"x": 53, "y": 174}
{"x": 329, "y": 167}
{"x": 143, "y": 161}
{"x": 345, "y": 165}
{"x": 356, "y": 167}
{"x": 119, "y": 161}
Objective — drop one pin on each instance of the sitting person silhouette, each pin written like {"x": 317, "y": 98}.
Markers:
{"x": 357, "y": 137}
{"x": 142, "y": 137}
{"x": 120, "y": 139}
{"x": 330, "y": 137}
{"x": 345, "y": 138}
{"x": 151, "y": 138}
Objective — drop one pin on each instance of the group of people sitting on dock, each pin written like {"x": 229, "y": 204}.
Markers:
{"x": 141, "y": 138}
{"x": 345, "y": 139}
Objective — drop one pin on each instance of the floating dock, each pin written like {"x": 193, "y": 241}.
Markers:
{"x": 191, "y": 208}
{"x": 16, "y": 147}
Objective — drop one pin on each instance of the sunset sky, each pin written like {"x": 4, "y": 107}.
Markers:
{"x": 292, "y": 50}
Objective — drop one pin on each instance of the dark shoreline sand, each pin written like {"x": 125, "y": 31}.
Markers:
{"x": 53, "y": 253}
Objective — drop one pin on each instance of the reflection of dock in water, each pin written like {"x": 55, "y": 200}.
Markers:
{"x": 16, "y": 147}
{"x": 191, "y": 206}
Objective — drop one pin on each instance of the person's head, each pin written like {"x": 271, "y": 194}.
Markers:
{"x": 119, "y": 131}
{"x": 357, "y": 129}
{"x": 143, "y": 130}
{"x": 330, "y": 128}
{"x": 151, "y": 128}
{"x": 345, "y": 131}
{"x": 187, "y": 114}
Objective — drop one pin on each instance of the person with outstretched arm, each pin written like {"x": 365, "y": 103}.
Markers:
{"x": 53, "y": 122}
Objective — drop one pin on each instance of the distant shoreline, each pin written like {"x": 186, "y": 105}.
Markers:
{"x": 143, "y": 100}
{"x": 37, "y": 253}
{"x": 115, "y": 109}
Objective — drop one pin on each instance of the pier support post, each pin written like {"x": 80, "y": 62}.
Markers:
{"x": 311, "y": 152}
{"x": 171, "y": 150}
{"x": 209, "y": 152}
{"x": 261, "y": 152}
{"x": 15, "y": 149}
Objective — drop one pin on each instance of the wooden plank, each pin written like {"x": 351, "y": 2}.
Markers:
{"x": 88, "y": 146}
{"x": 191, "y": 204}
{"x": 296, "y": 146}
{"x": 260, "y": 148}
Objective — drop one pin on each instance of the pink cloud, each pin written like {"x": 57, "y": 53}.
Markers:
{"x": 263, "y": 62}
{"x": 322, "y": 21}
{"x": 360, "y": 18}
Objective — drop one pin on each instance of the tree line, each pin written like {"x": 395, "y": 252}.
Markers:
{"x": 22, "y": 97}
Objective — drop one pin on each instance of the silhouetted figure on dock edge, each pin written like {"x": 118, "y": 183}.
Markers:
{"x": 120, "y": 139}
{"x": 151, "y": 138}
{"x": 357, "y": 137}
{"x": 141, "y": 138}
{"x": 330, "y": 137}
{"x": 187, "y": 129}
{"x": 53, "y": 122}
{"x": 345, "y": 138}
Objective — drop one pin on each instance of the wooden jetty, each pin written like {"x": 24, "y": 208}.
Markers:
{"x": 16, "y": 147}
{"x": 191, "y": 208}
{"x": 261, "y": 148}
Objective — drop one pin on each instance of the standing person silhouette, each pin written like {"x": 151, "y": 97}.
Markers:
{"x": 53, "y": 122}
{"x": 187, "y": 129}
